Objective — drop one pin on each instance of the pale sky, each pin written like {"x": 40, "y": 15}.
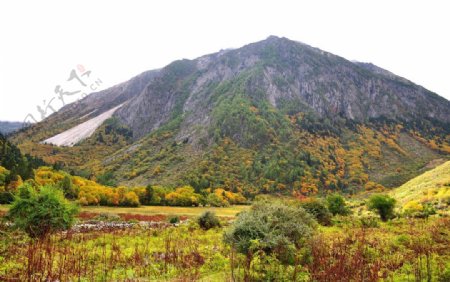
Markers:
{"x": 42, "y": 41}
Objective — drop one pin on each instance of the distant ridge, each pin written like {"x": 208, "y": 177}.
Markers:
{"x": 7, "y": 127}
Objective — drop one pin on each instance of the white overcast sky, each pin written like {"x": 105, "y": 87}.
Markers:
{"x": 42, "y": 41}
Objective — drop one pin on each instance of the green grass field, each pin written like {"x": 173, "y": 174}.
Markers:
{"x": 165, "y": 210}
{"x": 151, "y": 210}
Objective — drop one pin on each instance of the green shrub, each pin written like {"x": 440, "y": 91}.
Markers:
{"x": 320, "y": 212}
{"x": 208, "y": 220}
{"x": 336, "y": 205}
{"x": 40, "y": 213}
{"x": 384, "y": 205}
{"x": 174, "y": 219}
{"x": 271, "y": 227}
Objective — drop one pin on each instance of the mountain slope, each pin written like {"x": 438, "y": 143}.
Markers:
{"x": 14, "y": 165}
{"x": 87, "y": 108}
{"x": 431, "y": 186}
{"x": 274, "y": 116}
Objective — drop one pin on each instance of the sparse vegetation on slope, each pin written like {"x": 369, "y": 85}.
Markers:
{"x": 429, "y": 188}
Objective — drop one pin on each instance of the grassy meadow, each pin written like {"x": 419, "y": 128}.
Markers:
{"x": 165, "y": 210}
{"x": 399, "y": 250}
{"x": 143, "y": 244}
{"x": 158, "y": 210}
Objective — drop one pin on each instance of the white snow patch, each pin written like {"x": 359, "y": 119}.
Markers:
{"x": 80, "y": 132}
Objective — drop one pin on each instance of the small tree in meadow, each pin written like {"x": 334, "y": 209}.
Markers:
{"x": 275, "y": 229}
{"x": 208, "y": 220}
{"x": 40, "y": 213}
{"x": 336, "y": 205}
{"x": 318, "y": 209}
{"x": 382, "y": 204}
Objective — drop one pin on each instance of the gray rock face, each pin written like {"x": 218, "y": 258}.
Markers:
{"x": 283, "y": 71}
{"x": 158, "y": 101}
{"x": 102, "y": 101}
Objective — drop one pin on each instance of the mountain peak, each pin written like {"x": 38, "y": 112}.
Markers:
{"x": 263, "y": 106}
